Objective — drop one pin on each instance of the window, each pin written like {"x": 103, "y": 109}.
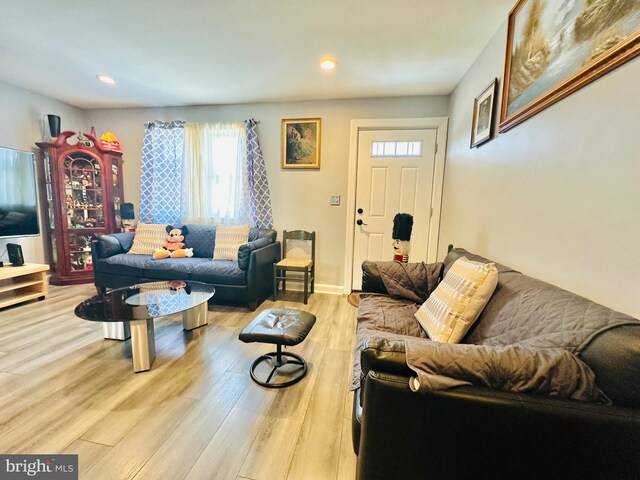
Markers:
{"x": 396, "y": 149}
{"x": 214, "y": 181}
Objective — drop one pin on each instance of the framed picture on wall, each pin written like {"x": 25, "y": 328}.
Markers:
{"x": 555, "y": 47}
{"x": 483, "y": 108}
{"x": 301, "y": 142}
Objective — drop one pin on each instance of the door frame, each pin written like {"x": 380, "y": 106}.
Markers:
{"x": 439, "y": 124}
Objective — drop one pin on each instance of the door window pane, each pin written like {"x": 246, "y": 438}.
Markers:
{"x": 396, "y": 149}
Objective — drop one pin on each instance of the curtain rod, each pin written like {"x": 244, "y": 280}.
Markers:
{"x": 183, "y": 121}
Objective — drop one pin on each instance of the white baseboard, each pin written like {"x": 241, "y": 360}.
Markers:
{"x": 319, "y": 288}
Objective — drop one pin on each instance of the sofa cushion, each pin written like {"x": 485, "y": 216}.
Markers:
{"x": 202, "y": 239}
{"x": 225, "y": 272}
{"x": 228, "y": 241}
{"x": 125, "y": 264}
{"x": 173, "y": 268}
{"x": 149, "y": 238}
{"x": 457, "y": 302}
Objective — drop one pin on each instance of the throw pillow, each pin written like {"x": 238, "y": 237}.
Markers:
{"x": 457, "y": 302}
{"x": 228, "y": 241}
{"x": 149, "y": 238}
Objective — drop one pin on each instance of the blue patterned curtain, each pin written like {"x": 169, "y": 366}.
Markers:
{"x": 161, "y": 172}
{"x": 259, "y": 197}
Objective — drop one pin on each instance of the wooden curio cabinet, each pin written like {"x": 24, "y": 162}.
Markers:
{"x": 81, "y": 193}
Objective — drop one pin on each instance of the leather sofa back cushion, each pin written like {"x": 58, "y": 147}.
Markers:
{"x": 201, "y": 238}
{"x": 614, "y": 356}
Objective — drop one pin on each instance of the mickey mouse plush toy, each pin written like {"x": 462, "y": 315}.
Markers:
{"x": 174, "y": 247}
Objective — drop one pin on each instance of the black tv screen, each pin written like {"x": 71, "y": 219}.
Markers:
{"x": 18, "y": 197}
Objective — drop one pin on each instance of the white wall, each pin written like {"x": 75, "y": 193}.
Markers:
{"x": 300, "y": 198}
{"x": 558, "y": 196}
{"x": 21, "y": 125}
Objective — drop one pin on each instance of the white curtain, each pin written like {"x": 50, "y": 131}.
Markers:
{"x": 215, "y": 187}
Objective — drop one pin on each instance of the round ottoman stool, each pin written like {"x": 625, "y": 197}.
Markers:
{"x": 280, "y": 327}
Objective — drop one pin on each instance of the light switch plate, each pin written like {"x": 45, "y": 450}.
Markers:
{"x": 334, "y": 200}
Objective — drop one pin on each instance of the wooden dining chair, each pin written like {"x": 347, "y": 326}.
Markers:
{"x": 307, "y": 267}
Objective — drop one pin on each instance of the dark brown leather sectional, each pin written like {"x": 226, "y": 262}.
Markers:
{"x": 477, "y": 432}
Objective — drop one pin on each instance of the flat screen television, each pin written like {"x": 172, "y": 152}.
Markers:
{"x": 18, "y": 196}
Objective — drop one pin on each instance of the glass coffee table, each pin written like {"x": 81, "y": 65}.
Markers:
{"x": 129, "y": 313}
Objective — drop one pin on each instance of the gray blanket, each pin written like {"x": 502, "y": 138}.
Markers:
{"x": 383, "y": 317}
{"x": 410, "y": 281}
{"x": 553, "y": 372}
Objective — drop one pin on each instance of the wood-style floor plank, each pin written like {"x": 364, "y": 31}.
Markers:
{"x": 195, "y": 414}
{"x": 88, "y": 454}
{"x": 315, "y": 457}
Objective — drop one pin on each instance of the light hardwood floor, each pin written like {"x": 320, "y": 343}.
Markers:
{"x": 195, "y": 415}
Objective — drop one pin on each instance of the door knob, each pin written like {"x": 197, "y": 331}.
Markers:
{"x": 360, "y": 211}
{"x": 360, "y": 222}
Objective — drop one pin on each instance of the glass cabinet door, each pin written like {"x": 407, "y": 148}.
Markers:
{"x": 84, "y": 206}
{"x": 83, "y": 192}
{"x": 117, "y": 194}
{"x": 51, "y": 217}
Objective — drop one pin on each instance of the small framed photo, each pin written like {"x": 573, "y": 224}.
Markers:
{"x": 483, "y": 113}
{"x": 301, "y": 142}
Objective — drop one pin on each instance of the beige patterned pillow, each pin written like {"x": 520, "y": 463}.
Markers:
{"x": 149, "y": 238}
{"x": 457, "y": 302}
{"x": 228, "y": 241}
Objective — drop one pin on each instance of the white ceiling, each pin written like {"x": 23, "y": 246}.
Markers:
{"x": 188, "y": 52}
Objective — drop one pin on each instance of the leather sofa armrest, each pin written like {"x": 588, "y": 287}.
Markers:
{"x": 371, "y": 280}
{"x": 260, "y": 273}
{"x": 245, "y": 250}
{"x": 265, "y": 256}
{"x": 106, "y": 246}
{"x": 384, "y": 355}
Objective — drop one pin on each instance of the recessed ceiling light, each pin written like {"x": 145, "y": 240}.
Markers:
{"x": 106, "y": 79}
{"x": 328, "y": 64}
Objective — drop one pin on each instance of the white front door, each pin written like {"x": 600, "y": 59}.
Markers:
{"x": 394, "y": 175}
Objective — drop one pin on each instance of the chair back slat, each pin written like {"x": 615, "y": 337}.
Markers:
{"x": 299, "y": 235}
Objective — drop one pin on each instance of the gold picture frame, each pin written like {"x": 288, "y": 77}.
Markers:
{"x": 547, "y": 59}
{"x": 301, "y": 140}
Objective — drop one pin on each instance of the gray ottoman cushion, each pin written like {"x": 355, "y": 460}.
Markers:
{"x": 279, "y": 326}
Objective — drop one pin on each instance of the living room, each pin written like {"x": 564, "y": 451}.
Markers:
{"x": 550, "y": 191}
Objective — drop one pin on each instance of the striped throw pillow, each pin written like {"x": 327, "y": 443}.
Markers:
{"x": 228, "y": 241}
{"x": 149, "y": 238}
{"x": 457, "y": 302}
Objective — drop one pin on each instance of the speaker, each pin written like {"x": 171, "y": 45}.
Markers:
{"x": 54, "y": 125}
{"x": 15, "y": 254}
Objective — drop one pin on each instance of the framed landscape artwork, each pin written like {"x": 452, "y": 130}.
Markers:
{"x": 555, "y": 47}
{"x": 483, "y": 107}
{"x": 301, "y": 142}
